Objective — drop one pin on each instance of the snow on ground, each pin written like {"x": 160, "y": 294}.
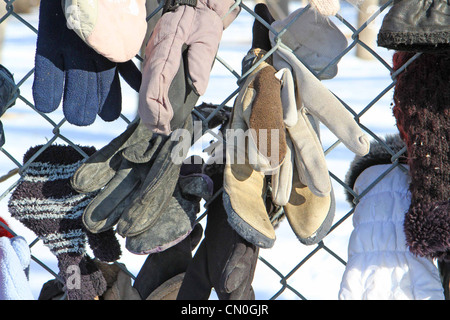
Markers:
{"x": 357, "y": 84}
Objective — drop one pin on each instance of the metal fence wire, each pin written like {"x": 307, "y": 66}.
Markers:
{"x": 289, "y": 270}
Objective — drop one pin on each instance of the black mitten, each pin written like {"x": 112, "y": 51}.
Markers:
{"x": 224, "y": 261}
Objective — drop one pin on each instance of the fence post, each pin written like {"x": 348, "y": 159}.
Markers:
{"x": 2, "y": 28}
{"x": 369, "y": 34}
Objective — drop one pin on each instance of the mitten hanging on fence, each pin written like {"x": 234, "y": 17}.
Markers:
{"x": 315, "y": 39}
{"x": 15, "y": 258}
{"x": 416, "y": 25}
{"x": 8, "y": 96}
{"x": 118, "y": 281}
{"x": 303, "y": 185}
{"x": 45, "y": 203}
{"x": 224, "y": 260}
{"x": 326, "y": 7}
{"x": 422, "y": 111}
{"x": 195, "y": 26}
{"x": 260, "y": 107}
{"x": 257, "y": 108}
{"x": 260, "y": 38}
{"x": 67, "y": 69}
{"x": 114, "y": 29}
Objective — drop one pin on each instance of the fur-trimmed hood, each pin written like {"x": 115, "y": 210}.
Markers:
{"x": 377, "y": 155}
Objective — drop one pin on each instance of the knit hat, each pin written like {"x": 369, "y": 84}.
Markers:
{"x": 416, "y": 25}
{"x": 45, "y": 203}
{"x": 422, "y": 111}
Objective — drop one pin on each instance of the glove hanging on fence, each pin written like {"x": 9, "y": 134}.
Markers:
{"x": 162, "y": 273}
{"x": 129, "y": 167}
{"x": 67, "y": 68}
{"x": 303, "y": 185}
{"x": 194, "y": 27}
{"x": 257, "y": 108}
{"x": 137, "y": 177}
{"x": 416, "y": 25}
{"x": 122, "y": 167}
{"x": 8, "y": 96}
{"x": 178, "y": 216}
{"x": 421, "y": 108}
{"x": 46, "y": 204}
{"x": 114, "y": 29}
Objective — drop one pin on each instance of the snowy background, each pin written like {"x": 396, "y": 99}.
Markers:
{"x": 358, "y": 83}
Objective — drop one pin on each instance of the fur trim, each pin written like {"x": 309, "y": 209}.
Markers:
{"x": 427, "y": 229}
{"x": 377, "y": 155}
{"x": 422, "y": 111}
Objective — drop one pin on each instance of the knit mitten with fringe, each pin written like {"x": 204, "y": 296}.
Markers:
{"x": 45, "y": 202}
{"x": 422, "y": 111}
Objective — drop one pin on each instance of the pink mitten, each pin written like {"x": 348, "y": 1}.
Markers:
{"x": 115, "y": 29}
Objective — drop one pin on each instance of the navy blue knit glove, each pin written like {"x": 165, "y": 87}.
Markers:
{"x": 67, "y": 68}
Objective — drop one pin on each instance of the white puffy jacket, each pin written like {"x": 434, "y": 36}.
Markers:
{"x": 380, "y": 266}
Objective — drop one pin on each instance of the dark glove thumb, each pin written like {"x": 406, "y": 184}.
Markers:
{"x": 131, "y": 74}
{"x": 238, "y": 268}
{"x": 260, "y": 32}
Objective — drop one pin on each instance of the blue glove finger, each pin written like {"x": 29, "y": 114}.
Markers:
{"x": 92, "y": 83}
{"x": 108, "y": 98}
{"x": 48, "y": 83}
{"x": 81, "y": 102}
{"x": 49, "y": 63}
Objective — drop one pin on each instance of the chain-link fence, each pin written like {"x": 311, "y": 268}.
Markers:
{"x": 289, "y": 270}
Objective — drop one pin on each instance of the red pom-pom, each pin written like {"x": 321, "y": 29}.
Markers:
{"x": 3, "y": 231}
